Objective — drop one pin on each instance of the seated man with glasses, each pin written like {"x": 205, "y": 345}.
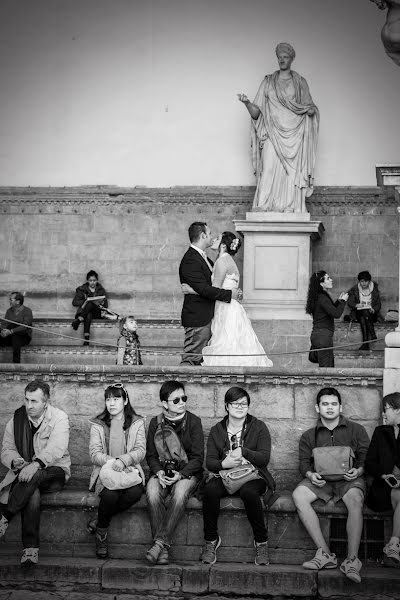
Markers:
{"x": 175, "y": 454}
{"x": 15, "y": 329}
{"x": 239, "y": 439}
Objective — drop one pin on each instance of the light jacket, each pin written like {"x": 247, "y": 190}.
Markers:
{"x": 135, "y": 443}
{"x": 50, "y": 445}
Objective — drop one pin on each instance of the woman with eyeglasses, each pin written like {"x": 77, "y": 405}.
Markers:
{"x": 238, "y": 439}
{"x": 383, "y": 464}
{"x": 117, "y": 435}
{"x": 324, "y": 311}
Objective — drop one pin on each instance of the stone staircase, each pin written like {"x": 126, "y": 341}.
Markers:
{"x": 55, "y": 342}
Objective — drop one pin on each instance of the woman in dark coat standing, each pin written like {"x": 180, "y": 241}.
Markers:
{"x": 383, "y": 463}
{"x": 323, "y": 311}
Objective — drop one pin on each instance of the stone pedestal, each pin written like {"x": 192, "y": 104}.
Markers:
{"x": 277, "y": 262}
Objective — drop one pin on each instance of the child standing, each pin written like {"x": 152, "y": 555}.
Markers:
{"x": 128, "y": 343}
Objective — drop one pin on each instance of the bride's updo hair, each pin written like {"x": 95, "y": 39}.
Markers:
{"x": 231, "y": 242}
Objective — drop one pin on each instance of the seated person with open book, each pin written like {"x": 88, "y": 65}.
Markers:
{"x": 365, "y": 303}
{"x": 90, "y": 298}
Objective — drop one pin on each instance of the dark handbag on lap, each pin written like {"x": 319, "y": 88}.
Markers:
{"x": 332, "y": 462}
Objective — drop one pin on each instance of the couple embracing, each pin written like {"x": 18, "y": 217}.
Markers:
{"x": 218, "y": 331}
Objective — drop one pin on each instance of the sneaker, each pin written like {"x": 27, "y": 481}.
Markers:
{"x": 321, "y": 560}
{"x": 75, "y": 324}
{"x": 262, "y": 555}
{"x": 209, "y": 552}
{"x": 30, "y": 556}
{"x": 153, "y": 554}
{"x": 91, "y": 525}
{"x": 351, "y": 567}
{"x": 392, "y": 555}
{"x": 101, "y": 542}
{"x": 163, "y": 558}
{"x": 3, "y": 526}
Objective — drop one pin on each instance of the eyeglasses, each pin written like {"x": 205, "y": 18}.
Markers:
{"x": 239, "y": 404}
{"x": 119, "y": 386}
{"x": 177, "y": 400}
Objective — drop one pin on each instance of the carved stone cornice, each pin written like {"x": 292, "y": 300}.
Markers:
{"x": 195, "y": 375}
{"x": 115, "y": 200}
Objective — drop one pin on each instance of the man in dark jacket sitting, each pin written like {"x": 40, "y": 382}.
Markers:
{"x": 174, "y": 479}
{"x": 15, "y": 330}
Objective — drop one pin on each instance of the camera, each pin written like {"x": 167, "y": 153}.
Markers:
{"x": 169, "y": 467}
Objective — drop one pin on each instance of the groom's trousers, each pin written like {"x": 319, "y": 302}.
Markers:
{"x": 195, "y": 340}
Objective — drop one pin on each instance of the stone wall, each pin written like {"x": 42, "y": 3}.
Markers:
{"x": 283, "y": 399}
{"x": 134, "y": 238}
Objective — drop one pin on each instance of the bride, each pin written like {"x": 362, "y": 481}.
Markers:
{"x": 231, "y": 332}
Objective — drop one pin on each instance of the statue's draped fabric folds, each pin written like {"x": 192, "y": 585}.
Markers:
{"x": 284, "y": 141}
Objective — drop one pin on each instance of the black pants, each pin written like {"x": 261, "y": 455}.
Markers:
{"x": 323, "y": 338}
{"x": 196, "y": 338}
{"x": 367, "y": 320}
{"x": 25, "y": 498}
{"x": 89, "y": 312}
{"x": 113, "y": 502}
{"x": 16, "y": 341}
{"x": 250, "y": 493}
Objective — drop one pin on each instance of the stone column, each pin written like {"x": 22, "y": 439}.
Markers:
{"x": 389, "y": 175}
{"x": 277, "y": 263}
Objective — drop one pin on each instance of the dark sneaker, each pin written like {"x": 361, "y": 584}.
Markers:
{"x": 209, "y": 552}
{"x": 30, "y": 556}
{"x": 351, "y": 567}
{"x": 3, "y": 526}
{"x": 101, "y": 542}
{"x": 262, "y": 554}
{"x": 321, "y": 560}
{"x": 75, "y": 324}
{"x": 153, "y": 554}
{"x": 91, "y": 525}
{"x": 163, "y": 558}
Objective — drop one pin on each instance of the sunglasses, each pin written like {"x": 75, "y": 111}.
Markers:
{"x": 177, "y": 400}
{"x": 118, "y": 386}
{"x": 234, "y": 441}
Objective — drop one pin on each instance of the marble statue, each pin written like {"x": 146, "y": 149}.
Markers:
{"x": 284, "y": 136}
{"x": 391, "y": 30}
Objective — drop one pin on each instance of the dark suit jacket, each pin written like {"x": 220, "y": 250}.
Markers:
{"x": 197, "y": 311}
{"x": 383, "y": 454}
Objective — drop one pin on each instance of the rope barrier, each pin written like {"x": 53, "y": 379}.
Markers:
{"x": 179, "y": 353}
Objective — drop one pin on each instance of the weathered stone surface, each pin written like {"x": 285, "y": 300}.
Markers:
{"x": 66, "y": 570}
{"x": 377, "y": 582}
{"x": 271, "y": 580}
{"x": 138, "y": 576}
{"x": 195, "y": 579}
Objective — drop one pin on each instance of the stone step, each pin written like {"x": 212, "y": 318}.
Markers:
{"x": 359, "y": 359}
{"x": 90, "y": 579}
{"x": 350, "y": 333}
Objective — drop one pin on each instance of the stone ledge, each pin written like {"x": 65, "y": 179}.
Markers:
{"x": 214, "y": 375}
{"x": 234, "y": 580}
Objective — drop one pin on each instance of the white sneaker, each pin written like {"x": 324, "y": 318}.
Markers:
{"x": 30, "y": 556}
{"x": 3, "y": 526}
{"x": 321, "y": 560}
{"x": 351, "y": 567}
{"x": 392, "y": 554}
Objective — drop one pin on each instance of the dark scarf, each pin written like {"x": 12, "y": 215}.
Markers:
{"x": 23, "y": 434}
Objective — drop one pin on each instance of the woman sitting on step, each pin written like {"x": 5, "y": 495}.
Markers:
{"x": 365, "y": 303}
{"x": 117, "y": 446}
{"x": 239, "y": 442}
{"x": 383, "y": 463}
{"x": 89, "y": 298}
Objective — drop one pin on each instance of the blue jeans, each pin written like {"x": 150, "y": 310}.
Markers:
{"x": 25, "y": 498}
{"x": 167, "y": 506}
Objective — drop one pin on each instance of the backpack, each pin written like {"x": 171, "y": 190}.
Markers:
{"x": 168, "y": 443}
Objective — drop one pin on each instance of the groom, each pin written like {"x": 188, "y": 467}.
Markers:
{"x": 198, "y": 310}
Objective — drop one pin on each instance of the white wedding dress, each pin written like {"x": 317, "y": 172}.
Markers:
{"x": 231, "y": 330}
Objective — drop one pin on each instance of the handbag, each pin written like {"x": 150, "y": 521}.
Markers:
{"x": 332, "y": 462}
{"x": 313, "y": 355}
{"x": 234, "y": 478}
{"x": 118, "y": 480}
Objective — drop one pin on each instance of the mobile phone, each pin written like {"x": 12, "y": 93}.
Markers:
{"x": 391, "y": 480}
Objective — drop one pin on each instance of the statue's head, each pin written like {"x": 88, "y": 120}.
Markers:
{"x": 285, "y": 54}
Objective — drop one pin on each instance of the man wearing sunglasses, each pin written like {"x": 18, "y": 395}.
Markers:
{"x": 177, "y": 481}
